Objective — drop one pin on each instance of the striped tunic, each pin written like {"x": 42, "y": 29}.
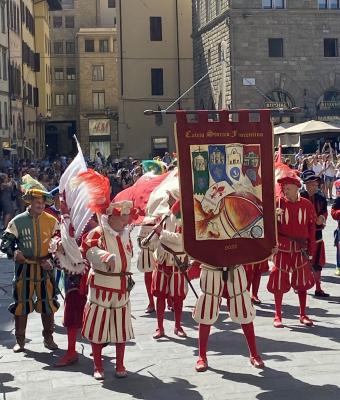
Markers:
{"x": 107, "y": 314}
{"x": 167, "y": 279}
{"x": 33, "y": 287}
{"x": 146, "y": 261}
{"x": 296, "y": 232}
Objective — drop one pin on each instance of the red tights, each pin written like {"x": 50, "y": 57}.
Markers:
{"x": 254, "y": 280}
{"x": 71, "y": 353}
{"x": 278, "y": 303}
{"x": 71, "y": 340}
{"x": 148, "y": 282}
{"x": 203, "y": 336}
{"x": 160, "y": 309}
{"x": 317, "y": 278}
{"x": 97, "y": 356}
{"x": 256, "y": 284}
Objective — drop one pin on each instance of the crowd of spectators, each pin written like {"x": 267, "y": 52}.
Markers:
{"x": 324, "y": 163}
{"x": 122, "y": 173}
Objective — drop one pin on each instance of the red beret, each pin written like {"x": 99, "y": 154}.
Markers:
{"x": 289, "y": 180}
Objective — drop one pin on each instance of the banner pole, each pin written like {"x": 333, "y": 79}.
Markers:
{"x": 274, "y": 111}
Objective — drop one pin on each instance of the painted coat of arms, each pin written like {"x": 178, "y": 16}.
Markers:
{"x": 227, "y": 191}
{"x": 227, "y": 187}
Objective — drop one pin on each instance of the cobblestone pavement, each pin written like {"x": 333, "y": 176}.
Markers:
{"x": 300, "y": 362}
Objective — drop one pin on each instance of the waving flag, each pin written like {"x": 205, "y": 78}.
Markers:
{"x": 75, "y": 214}
{"x": 149, "y": 194}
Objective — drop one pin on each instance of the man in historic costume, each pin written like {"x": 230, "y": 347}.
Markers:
{"x": 75, "y": 286}
{"x": 335, "y": 212}
{"x": 254, "y": 272}
{"x": 54, "y": 208}
{"x": 312, "y": 193}
{"x": 107, "y": 315}
{"x": 229, "y": 283}
{"x": 168, "y": 279}
{"x": 296, "y": 247}
{"x": 27, "y": 239}
{"x": 146, "y": 263}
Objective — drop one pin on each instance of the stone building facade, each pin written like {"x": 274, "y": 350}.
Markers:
{"x": 4, "y": 96}
{"x": 268, "y": 53}
{"x": 15, "y": 78}
{"x": 97, "y": 91}
{"x": 155, "y": 67}
{"x": 72, "y": 65}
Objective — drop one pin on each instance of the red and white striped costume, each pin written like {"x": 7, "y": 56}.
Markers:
{"x": 214, "y": 288}
{"x": 296, "y": 232}
{"x": 145, "y": 261}
{"x": 107, "y": 315}
{"x": 166, "y": 278}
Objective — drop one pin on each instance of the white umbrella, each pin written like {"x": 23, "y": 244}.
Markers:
{"x": 313, "y": 126}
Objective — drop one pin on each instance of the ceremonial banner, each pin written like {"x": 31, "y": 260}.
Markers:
{"x": 227, "y": 188}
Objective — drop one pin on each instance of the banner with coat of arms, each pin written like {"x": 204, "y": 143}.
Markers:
{"x": 227, "y": 191}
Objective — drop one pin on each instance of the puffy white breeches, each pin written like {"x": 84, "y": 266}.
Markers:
{"x": 146, "y": 261}
{"x": 234, "y": 290}
{"x": 107, "y": 317}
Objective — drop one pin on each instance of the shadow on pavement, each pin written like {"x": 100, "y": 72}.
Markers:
{"x": 84, "y": 365}
{"x": 228, "y": 343}
{"x": 320, "y": 331}
{"x": 331, "y": 279}
{"x": 4, "y": 378}
{"x": 280, "y": 385}
{"x": 152, "y": 388}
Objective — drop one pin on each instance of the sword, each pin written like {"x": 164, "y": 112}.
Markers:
{"x": 182, "y": 266}
{"x": 146, "y": 240}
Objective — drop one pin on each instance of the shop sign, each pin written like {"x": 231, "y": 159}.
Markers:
{"x": 99, "y": 127}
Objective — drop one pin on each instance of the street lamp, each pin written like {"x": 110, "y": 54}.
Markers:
{"x": 41, "y": 121}
{"x": 114, "y": 116}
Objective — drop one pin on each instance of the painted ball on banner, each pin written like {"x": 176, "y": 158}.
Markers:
{"x": 240, "y": 213}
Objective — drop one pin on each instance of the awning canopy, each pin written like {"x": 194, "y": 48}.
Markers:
{"x": 289, "y": 135}
{"x": 313, "y": 126}
{"x": 279, "y": 129}
{"x": 10, "y": 149}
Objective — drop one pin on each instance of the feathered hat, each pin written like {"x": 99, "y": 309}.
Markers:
{"x": 98, "y": 189}
{"x": 31, "y": 189}
{"x": 119, "y": 208}
{"x": 156, "y": 166}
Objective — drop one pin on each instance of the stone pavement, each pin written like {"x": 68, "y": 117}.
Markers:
{"x": 300, "y": 362}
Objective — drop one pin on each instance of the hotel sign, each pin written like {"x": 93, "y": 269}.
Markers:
{"x": 99, "y": 127}
{"x": 276, "y": 104}
{"x": 329, "y": 105}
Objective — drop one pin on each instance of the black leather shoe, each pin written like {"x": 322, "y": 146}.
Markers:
{"x": 321, "y": 293}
